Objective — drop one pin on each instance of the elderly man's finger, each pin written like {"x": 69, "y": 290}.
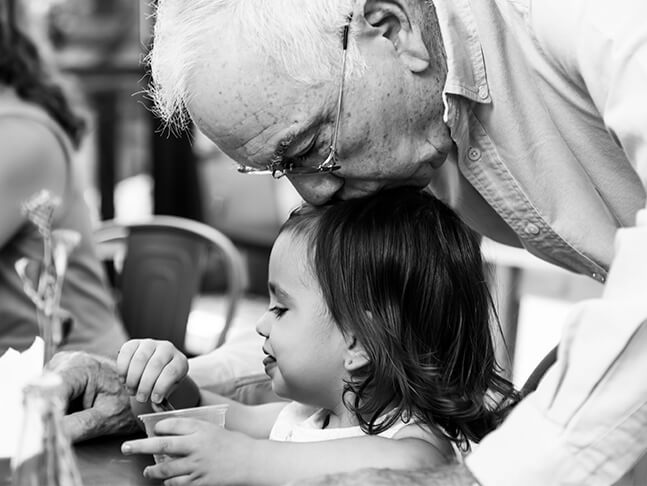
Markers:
{"x": 94, "y": 380}
{"x": 83, "y": 425}
{"x": 73, "y": 368}
{"x": 91, "y": 423}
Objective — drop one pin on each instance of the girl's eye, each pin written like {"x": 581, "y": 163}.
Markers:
{"x": 278, "y": 311}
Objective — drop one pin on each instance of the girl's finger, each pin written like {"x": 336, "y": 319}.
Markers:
{"x": 138, "y": 363}
{"x": 170, "y": 376}
{"x": 174, "y": 468}
{"x": 125, "y": 355}
{"x": 157, "y": 362}
{"x": 179, "y": 481}
{"x": 169, "y": 445}
{"x": 179, "y": 426}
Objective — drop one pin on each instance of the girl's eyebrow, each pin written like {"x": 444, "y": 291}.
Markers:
{"x": 277, "y": 291}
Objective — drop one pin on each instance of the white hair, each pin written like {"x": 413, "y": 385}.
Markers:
{"x": 301, "y": 37}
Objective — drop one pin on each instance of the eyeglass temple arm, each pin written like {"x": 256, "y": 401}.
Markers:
{"x": 340, "y": 96}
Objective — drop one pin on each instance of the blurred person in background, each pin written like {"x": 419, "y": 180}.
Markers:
{"x": 39, "y": 133}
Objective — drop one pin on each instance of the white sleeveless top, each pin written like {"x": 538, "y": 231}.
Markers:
{"x": 303, "y": 423}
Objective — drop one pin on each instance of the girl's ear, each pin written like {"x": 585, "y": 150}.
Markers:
{"x": 356, "y": 355}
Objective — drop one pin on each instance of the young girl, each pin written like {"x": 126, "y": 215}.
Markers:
{"x": 378, "y": 329}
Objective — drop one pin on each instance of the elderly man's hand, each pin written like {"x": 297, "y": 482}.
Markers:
{"x": 99, "y": 405}
{"x": 451, "y": 475}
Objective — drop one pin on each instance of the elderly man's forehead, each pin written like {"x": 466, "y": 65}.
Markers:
{"x": 248, "y": 123}
{"x": 248, "y": 106}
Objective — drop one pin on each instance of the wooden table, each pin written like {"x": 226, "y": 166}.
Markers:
{"x": 102, "y": 464}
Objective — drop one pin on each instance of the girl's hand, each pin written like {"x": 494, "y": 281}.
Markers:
{"x": 151, "y": 369}
{"x": 202, "y": 453}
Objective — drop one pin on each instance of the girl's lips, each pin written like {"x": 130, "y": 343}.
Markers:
{"x": 269, "y": 362}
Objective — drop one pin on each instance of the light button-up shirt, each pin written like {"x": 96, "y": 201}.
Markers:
{"x": 547, "y": 103}
{"x": 531, "y": 143}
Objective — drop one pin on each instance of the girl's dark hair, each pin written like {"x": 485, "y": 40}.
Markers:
{"x": 404, "y": 275}
{"x": 22, "y": 68}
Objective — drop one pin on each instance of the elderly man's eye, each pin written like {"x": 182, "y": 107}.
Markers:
{"x": 306, "y": 152}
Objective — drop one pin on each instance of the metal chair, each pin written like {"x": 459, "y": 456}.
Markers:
{"x": 159, "y": 264}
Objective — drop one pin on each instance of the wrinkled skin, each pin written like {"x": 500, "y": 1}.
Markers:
{"x": 99, "y": 404}
{"x": 456, "y": 475}
{"x": 391, "y": 130}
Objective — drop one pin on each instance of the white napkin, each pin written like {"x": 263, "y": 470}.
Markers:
{"x": 16, "y": 370}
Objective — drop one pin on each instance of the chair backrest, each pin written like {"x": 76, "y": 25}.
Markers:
{"x": 161, "y": 268}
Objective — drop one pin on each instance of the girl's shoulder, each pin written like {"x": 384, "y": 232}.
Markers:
{"x": 433, "y": 436}
{"x": 32, "y": 125}
{"x": 33, "y": 157}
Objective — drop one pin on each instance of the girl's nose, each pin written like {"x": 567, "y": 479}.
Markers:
{"x": 263, "y": 327}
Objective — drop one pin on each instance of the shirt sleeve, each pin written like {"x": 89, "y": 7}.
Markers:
{"x": 601, "y": 46}
{"x": 587, "y": 421}
{"x": 240, "y": 356}
{"x": 611, "y": 57}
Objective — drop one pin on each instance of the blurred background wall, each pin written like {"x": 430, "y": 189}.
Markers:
{"x": 134, "y": 165}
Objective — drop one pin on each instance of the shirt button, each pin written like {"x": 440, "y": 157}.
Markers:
{"x": 532, "y": 229}
{"x": 483, "y": 92}
{"x": 473, "y": 154}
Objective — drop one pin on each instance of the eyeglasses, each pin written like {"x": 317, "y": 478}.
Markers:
{"x": 279, "y": 168}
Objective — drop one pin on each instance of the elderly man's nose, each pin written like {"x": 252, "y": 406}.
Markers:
{"x": 317, "y": 189}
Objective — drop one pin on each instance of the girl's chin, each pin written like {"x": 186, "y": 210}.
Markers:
{"x": 280, "y": 391}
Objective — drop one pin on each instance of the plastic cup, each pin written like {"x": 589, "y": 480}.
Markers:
{"x": 214, "y": 414}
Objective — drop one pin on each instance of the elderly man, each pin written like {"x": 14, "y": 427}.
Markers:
{"x": 528, "y": 117}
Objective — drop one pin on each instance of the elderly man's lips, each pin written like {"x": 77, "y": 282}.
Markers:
{"x": 269, "y": 361}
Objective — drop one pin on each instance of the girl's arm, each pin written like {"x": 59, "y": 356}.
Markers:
{"x": 279, "y": 462}
{"x": 216, "y": 456}
{"x": 253, "y": 420}
{"x": 151, "y": 368}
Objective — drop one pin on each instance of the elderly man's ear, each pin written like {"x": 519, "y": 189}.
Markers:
{"x": 398, "y": 22}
